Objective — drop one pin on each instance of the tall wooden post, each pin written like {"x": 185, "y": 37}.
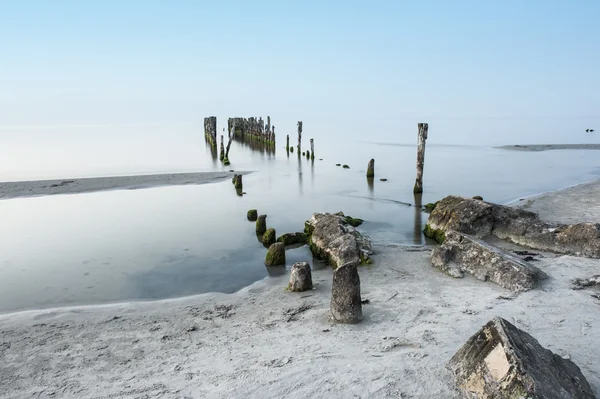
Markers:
{"x": 423, "y": 127}
{"x": 222, "y": 155}
{"x": 287, "y": 143}
{"x": 312, "y": 149}
{"x": 299, "y": 137}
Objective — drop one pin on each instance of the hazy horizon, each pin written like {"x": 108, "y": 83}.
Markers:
{"x": 109, "y": 85}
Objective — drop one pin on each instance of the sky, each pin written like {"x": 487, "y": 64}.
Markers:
{"x": 81, "y": 74}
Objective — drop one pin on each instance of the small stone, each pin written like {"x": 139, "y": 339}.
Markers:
{"x": 338, "y": 164}
{"x": 252, "y": 215}
{"x": 269, "y": 237}
{"x": 345, "y": 166}
{"x": 261, "y": 224}
{"x": 275, "y": 255}
{"x": 383, "y": 179}
{"x": 300, "y": 278}
{"x": 346, "y": 305}
{"x": 478, "y": 197}
{"x": 371, "y": 169}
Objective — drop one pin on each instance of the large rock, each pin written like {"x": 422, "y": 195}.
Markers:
{"x": 275, "y": 255}
{"x": 330, "y": 237}
{"x": 463, "y": 253}
{"x": 503, "y": 362}
{"x": 300, "y": 278}
{"x": 346, "y": 306}
{"x": 479, "y": 218}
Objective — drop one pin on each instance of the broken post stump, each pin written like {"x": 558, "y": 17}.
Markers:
{"x": 269, "y": 237}
{"x": 237, "y": 182}
{"x": 423, "y": 127}
{"x": 312, "y": 149}
{"x": 346, "y": 306}
{"x": 252, "y": 215}
{"x": 371, "y": 169}
{"x": 299, "y": 137}
{"x": 275, "y": 255}
{"x": 261, "y": 224}
{"x": 502, "y": 362}
{"x": 300, "y": 278}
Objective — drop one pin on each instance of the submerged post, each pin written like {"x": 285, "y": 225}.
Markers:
{"x": 299, "y": 136}
{"x": 312, "y": 149}
{"x": 423, "y": 127}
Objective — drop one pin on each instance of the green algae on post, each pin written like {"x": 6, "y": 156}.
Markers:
{"x": 252, "y": 215}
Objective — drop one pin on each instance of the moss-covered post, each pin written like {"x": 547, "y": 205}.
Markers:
{"x": 312, "y": 149}
{"x": 371, "y": 169}
{"x": 418, "y": 231}
{"x": 299, "y": 137}
{"x": 423, "y": 127}
{"x": 222, "y": 155}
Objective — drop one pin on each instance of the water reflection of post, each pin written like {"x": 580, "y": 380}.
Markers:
{"x": 418, "y": 234}
{"x": 312, "y": 173}
{"x": 300, "y": 175}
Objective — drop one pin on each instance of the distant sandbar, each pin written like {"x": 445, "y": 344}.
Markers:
{"x": 88, "y": 185}
{"x": 546, "y": 147}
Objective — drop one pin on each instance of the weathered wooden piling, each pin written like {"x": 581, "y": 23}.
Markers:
{"x": 222, "y": 155}
{"x": 210, "y": 129}
{"x": 312, "y": 149}
{"x": 423, "y": 127}
{"x": 299, "y": 137}
{"x": 371, "y": 169}
{"x": 287, "y": 143}
{"x": 237, "y": 182}
{"x": 253, "y": 129}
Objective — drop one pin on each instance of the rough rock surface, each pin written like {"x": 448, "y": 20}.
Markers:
{"x": 300, "y": 278}
{"x": 346, "y": 306}
{"x": 581, "y": 283}
{"x": 292, "y": 238}
{"x": 261, "y": 224}
{"x": 331, "y": 238}
{"x": 252, "y": 215}
{"x": 503, "y": 362}
{"x": 269, "y": 237}
{"x": 275, "y": 255}
{"x": 479, "y": 218}
{"x": 462, "y": 253}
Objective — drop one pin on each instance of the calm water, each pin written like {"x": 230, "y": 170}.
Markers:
{"x": 175, "y": 241}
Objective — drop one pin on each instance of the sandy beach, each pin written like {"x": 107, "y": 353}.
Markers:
{"x": 88, "y": 185}
{"x": 547, "y": 147}
{"x": 265, "y": 342}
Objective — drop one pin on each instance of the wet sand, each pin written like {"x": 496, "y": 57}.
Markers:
{"x": 250, "y": 344}
{"x": 546, "y": 147}
{"x": 87, "y": 185}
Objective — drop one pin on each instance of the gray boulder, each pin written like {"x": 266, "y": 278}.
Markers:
{"x": 300, "y": 278}
{"x": 346, "y": 306}
{"x": 581, "y": 283}
{"x": 275, "y": 255}
{"x": 479, "y": 218}
{"x": 503, "y": 362}
{"x": 463, "y": 253}
{"x": 331, "y": 238}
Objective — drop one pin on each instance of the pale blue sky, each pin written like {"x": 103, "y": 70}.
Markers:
{"x": 482, "y": 71}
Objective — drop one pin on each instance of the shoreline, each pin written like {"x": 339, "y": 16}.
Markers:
{"x": 249, "y": 343}
{"x": 41, "y": 188}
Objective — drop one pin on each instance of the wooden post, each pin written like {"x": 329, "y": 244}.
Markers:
{"x": 287, "y": 143}
{"x": 423, "y": 127}
{"x": 299, "y": 137}
{"x": 371, "y": 169}
{"x": 222, "y": 156}
{"x": 312, "y": 149}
